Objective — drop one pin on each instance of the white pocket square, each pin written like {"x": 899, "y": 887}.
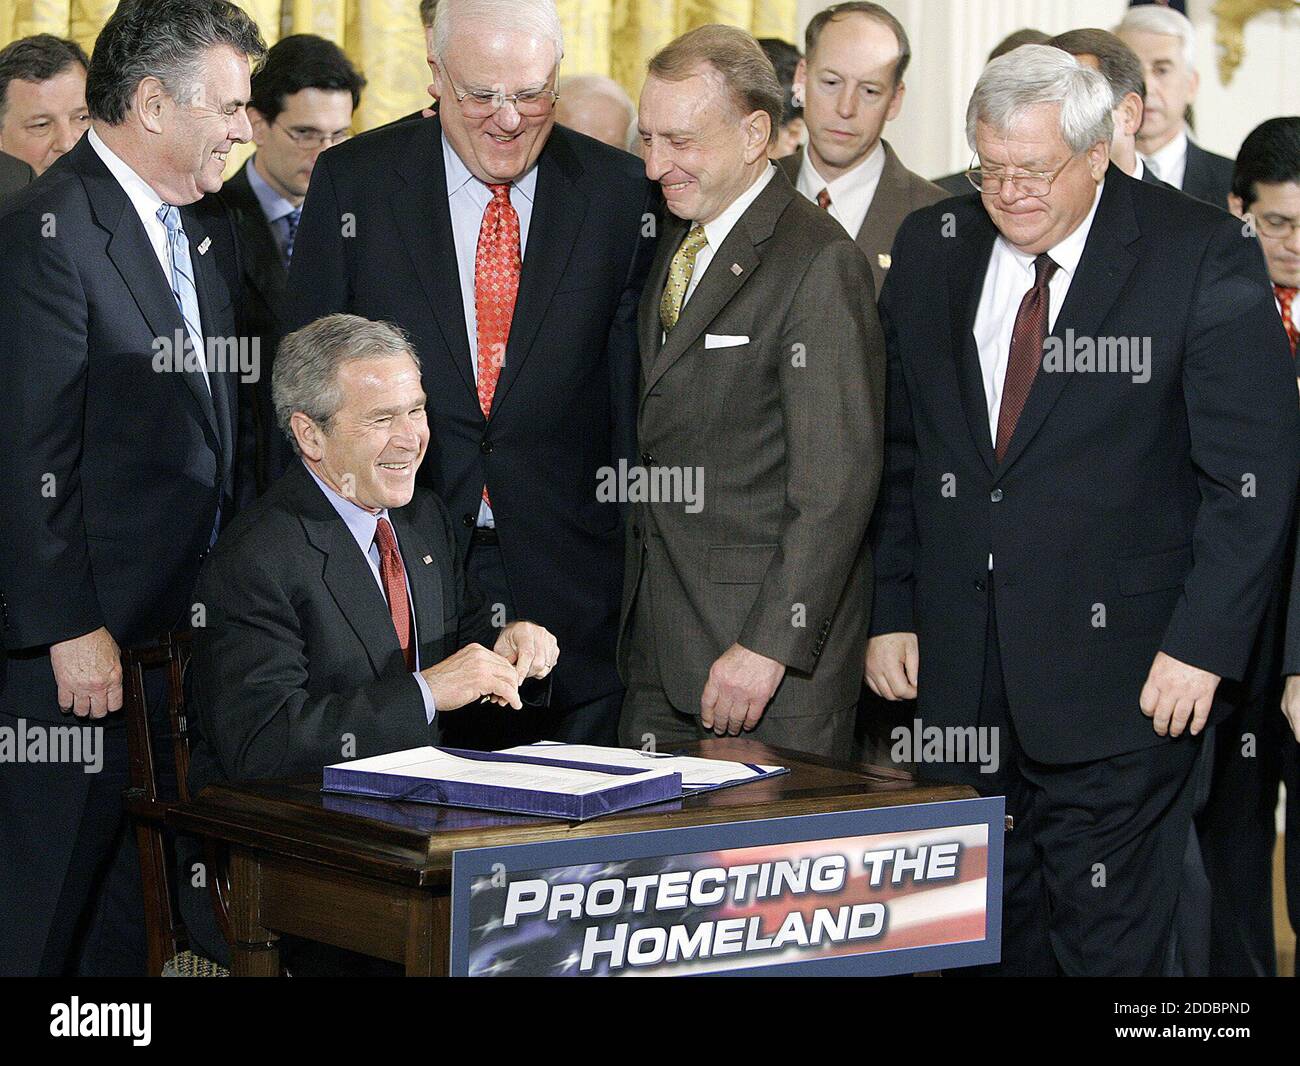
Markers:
{"x": 721, "y": 340}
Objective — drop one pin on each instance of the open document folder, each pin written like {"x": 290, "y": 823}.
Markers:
{"x": 575, "y": 781}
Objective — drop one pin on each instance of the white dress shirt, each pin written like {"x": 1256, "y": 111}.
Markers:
{"x": 362, "y": 525}
{"x": 146, "y": 203}
{"x": 1169, "y": 163}
{"x": 716, "y": 232}
{"x": 468, "y": 199}
{"x": 851, "y": 194}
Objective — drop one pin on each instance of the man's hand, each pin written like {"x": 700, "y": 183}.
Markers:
{"x": 740, "y": 684}
{"x": 1291, "y": 704}
{"x": 88, "y": 671}
{"x": 891, "y": 664}
{"x": 469, "y": 674}
{"x": 1176, "y": 693}
{"x": 532, "y": 650}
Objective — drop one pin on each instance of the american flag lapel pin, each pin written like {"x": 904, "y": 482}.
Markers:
{"x": 203, "y": 248}
{"x": 737, "y": 269}
{"x": 885, "y": 260}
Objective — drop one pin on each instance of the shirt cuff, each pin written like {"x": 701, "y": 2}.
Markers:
{"x": 429, "y": 708}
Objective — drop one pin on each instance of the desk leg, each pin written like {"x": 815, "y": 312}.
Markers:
{"x": 428, "y": 933}
{"x": 256, "y": 950}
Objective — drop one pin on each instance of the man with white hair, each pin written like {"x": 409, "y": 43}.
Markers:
{"x": 599, "y": 107}
{"x": 1085, "y": 501}
{"x": 513, "y": 252}
{"x": 1165, "y": 41}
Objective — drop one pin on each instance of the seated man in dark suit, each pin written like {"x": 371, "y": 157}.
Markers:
{"x": 304, "y": 95}
{"x": 334, "y": 618}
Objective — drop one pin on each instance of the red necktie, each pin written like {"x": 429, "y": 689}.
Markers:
{"x": 496, "y": 284}
{"x": 824, "y": 199}
{"x": 1286, "y": 299}
{"x": 1027, "y": 337}
{"x": 393, "y": 575}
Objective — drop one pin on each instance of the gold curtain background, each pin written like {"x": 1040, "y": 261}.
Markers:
{"x": 384, "y": 38}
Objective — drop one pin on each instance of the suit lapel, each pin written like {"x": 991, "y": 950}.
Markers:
{"x": 559, "y": 210}
{"x": 966, "y": 270}
{"x": 649, "y": 327}
{"x": 732, "y": 266}
{"x": 218, "y": 377}
{"x": 345, "y": 571}
{"x": 888, "y": 208}
{"x": 263, "y": 265}
{"x": 424, "y": 221}
{"x": 133, "y": 255}
{"x": 1100, "y": 277}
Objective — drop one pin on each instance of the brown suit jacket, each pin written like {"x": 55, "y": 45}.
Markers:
{"x": 899, "y": 193}
{"x": 785, "y": 425}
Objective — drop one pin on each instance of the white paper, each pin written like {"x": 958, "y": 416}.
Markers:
{"x": 696, "y": 773}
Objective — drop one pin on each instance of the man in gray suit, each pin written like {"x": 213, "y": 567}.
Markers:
{"x": 850, "y": 83}
{"x": 746, "y": 585}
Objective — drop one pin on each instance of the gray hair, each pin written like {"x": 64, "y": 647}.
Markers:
{"x": 163, "y": 39}
{"x": 576, "y": 86}
{"x": 537, "y": 18}
{"x": 307, "y": 362}
{"x": 1039, "y": 74}
{"x": 1165, "y": 21}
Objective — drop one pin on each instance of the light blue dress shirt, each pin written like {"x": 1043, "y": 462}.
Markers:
{"x": 274, "y": 206}
{"x": 467, "y": 199}
{"x": 362, "y": 524}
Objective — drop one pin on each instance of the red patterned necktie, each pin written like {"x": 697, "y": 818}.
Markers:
{"x": 496, "y": 284}
{"x": 1286, "y": 300}
{"x": 1027, "y": 338}
{"x": 393, "y": 575}
{"x": 824, "y": 199}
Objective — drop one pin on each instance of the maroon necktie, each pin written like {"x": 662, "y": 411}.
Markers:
{"x": 393, "y": 575}
{"x": 1286, "y": 299}
{"x": 824, "y": 199}
{"x": 1027, "y": 338}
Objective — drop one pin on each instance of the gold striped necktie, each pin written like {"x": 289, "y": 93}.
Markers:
{"x": 679, "y": 277}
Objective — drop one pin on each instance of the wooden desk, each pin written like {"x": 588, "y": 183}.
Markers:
{"x": 374, "y": 877}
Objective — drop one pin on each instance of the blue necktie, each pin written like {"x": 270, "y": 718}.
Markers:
{"x": 182, "y": 279}
{"x": 291, "y": 221}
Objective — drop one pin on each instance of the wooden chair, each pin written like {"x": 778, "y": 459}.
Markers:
{"x": 167, "y": 942}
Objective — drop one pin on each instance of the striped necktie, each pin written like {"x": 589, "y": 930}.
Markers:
{"x": 182, "y": 280}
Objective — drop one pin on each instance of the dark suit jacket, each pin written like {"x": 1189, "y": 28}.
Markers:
{"x": 564, "y": 406}
{"x": 14, "y": 174}
{"x": 261, "y": 315}
{"x": 1207, "y": 176}
{"x": 113, "y": 470}
{"x": 899, "y": 193}
{"x": 786, "y": 429}
{"x": 1126, "y": 518}
{"x": 955, "y": 184}
{"x": 298, "y": 650}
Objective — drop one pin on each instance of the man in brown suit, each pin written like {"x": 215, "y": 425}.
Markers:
{"x": 850, "y": 83}
{"x": 746, "y": 585}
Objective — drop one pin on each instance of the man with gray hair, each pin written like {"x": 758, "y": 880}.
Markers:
{"x": 1165, "y": 42}
{"x": 513, "y": 251}
{"x": 1085, "y": 501}
{"x": 117, "y": 429}
{"x": 338, "y": 621}
{"x": 599, "y": 107}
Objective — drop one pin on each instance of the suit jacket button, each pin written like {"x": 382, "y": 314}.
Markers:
{"x": 647, "y": 459}
{"x": 485, "y": 447}
{"x": 469, "y": 521}
{"x": 979, "y": 586}
{"x": 996, "y": 495}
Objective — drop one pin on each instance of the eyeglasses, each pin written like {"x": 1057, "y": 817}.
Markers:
{"x": 482, "y": 103}
{"x": 310, "y": 139}
{"x": 1275, "y": 229}
{"x": 989, "y": 182}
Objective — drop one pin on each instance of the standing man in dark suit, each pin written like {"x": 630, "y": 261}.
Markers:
{"x": 1165, "y": 41}
{"x": 1120, "y": 66}
{"x": 14, "y": 175}
{"x": 304, "y": 94}
{"x": 850, "y": 83}
{"x": 42, "y": 98}
{"x": 747, "y": 582}
{"x": 513, "y": 251}
{"x": 117, "y": 437}
{"x": 1085, "y": 503}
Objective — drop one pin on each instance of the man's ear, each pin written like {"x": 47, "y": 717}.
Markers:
{"x": 758, "y": 135}
{"x": 261, "y": 125}
{"x": 1236, "y": 205}
{"x": 149, "y": 102}
{"x": 896, "y": 102}
{"x": 800, "y": 82}
{"x": 1131, "y": 108}
{"x": 308, "y": 435}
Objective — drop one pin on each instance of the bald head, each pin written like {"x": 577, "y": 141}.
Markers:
{"x": 597, "y": 106}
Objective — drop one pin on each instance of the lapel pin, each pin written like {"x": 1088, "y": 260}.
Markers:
{"x": 203, "y": 248}
{"x": 885, "y": 260}
{"x": 428, "y": 559}
{"x": 737, "y": 269}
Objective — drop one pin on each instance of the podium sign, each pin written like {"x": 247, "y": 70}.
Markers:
{"x": 881, "y": 891}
